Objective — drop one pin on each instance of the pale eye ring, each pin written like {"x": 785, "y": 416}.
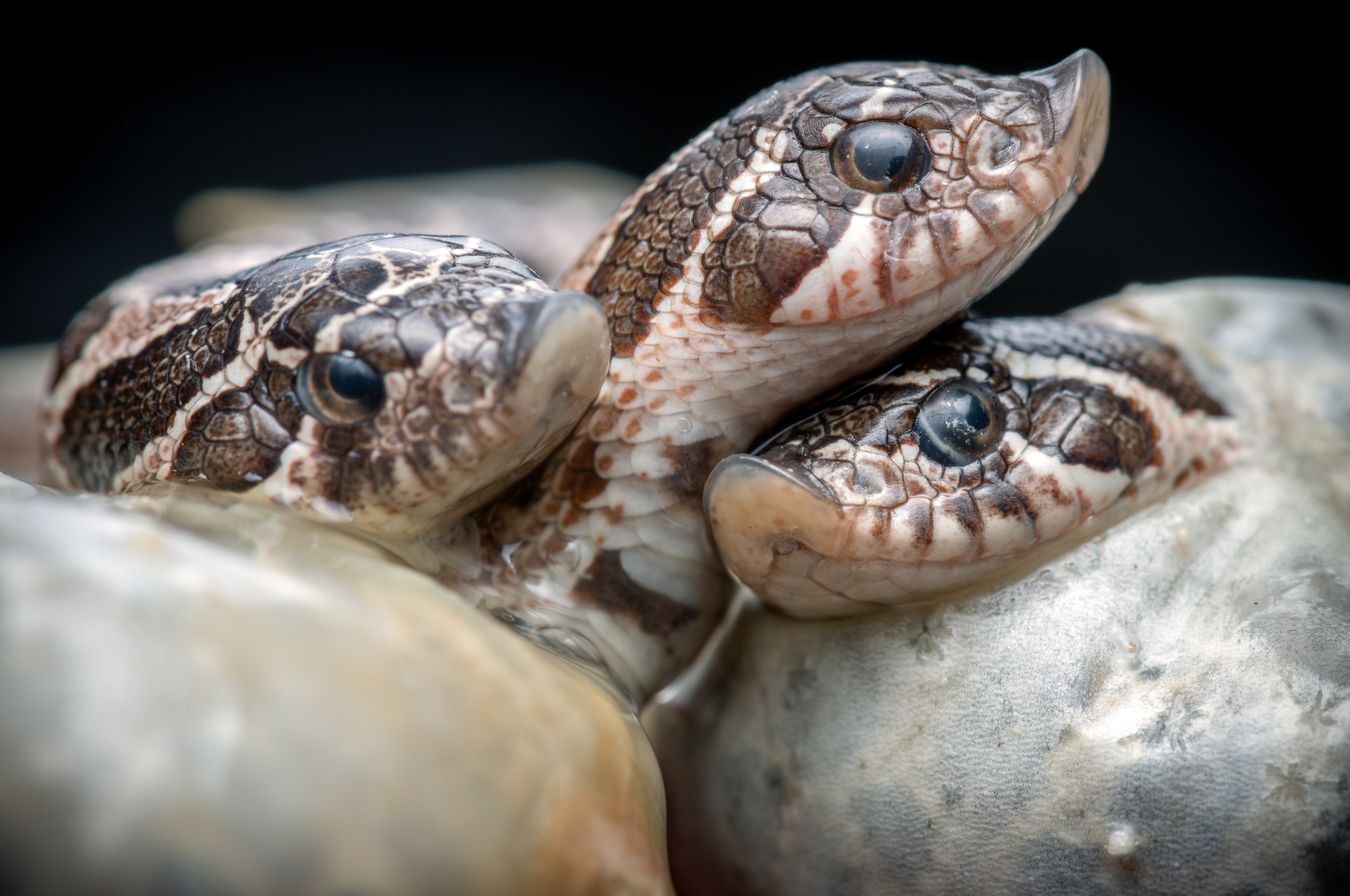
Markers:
{"x": 879, "y": 156}
{"x": 959, "y": 422}
{"x": 340, "y": 389}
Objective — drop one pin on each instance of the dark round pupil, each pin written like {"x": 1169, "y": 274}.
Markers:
{"x": 354, "y": 380}
{"x": 340, "y": 390}
{"x": 958, "y": 423}
{"x": 880, "y": 155}
{"x": 968, "y": 417}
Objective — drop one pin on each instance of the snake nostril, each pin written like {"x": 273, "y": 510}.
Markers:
{"x": 462, "y": 392}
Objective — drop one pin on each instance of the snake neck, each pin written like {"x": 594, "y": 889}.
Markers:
{"x": 756, "y": 268}
{"x": 603, "y": 554}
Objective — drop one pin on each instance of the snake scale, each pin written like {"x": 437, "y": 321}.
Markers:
{"x": 401, "y": 384}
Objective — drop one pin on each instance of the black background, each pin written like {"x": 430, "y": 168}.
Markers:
{"x": 1225, "y": 157}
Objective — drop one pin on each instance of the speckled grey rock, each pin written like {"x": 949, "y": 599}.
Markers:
{"x": 1163, "y": 709}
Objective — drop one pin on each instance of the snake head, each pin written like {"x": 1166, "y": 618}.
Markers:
{"x": 419, "y": 376}
{"x": 988, "y": 444}
{"x": 390, "y": 382}
{"x": 928, "y": 182}
{"x": 853, "y": 190}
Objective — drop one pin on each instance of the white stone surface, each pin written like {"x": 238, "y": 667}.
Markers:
{"x": 1162, "y": 709}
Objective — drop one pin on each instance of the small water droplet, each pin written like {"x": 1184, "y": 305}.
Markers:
{"x": 571, "y": 644}
{"x": 508, "y": 550}
{"x": 683, "y": 424}
{"x": 785, "y": 546}
{"x": 568, "y": 556}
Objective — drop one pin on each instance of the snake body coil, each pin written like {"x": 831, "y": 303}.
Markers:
{"x": 818, "y": 229}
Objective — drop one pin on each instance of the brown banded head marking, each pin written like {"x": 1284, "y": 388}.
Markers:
{"x": 990, "y": 439}
{"x": 388, "y": 381}
{"x": 819, "y": 228}
{"x": 850, "y": 189}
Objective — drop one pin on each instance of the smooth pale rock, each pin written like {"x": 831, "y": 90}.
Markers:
{"x": 1163, "y": 709}
{"x": 202, "y": 698}
{"x": 544, "y": 213}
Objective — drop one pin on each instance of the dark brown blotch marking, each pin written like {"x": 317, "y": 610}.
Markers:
{"x": 1048, "y": 489}
{"x": 1153, "y": 363}
{"x": 359, "y": 274}
{"x": 967, "y": 513}
{"x": 606, "y": 585}
{"x": 374, "y": 339}
{"x": 1086, "y": 424}
{"x": 233, "y": 442}
{"x": 693, "y": 464}
{"x": 188, "y": 458}
{"x": 228, "y": 427}
{"x": 1000, "y": 499}
{"x": 312, "y": 313}
{"x": 238, "y": 465}
{"x": 277, "y": 282}
{"x": 756, "y": 263}
{"x": 131, "y": 402}
{"x": 921, "y": 522}
{"x": 1054, "y": 410}
{"x": 335, "y": 440}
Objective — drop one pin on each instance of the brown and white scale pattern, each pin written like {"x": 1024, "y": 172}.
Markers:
{"x": 757, "y": 267}
{"x": 477, "y": 366}
{"x": 746, "y": 274}
{"x": 851, "y": 508}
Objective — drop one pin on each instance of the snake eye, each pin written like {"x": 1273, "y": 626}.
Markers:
{"x": 879, "y": 156}
{"x": 959, "y": 422}
{"x": 340, "y": 389}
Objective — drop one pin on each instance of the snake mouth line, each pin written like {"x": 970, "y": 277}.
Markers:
{"x": 794, "y": 544}
{"x": 995, "y": 440}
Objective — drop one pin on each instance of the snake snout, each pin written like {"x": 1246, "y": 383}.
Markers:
{"x": 1079, "y": 96}
{"x": 772, "y": 524}
{"x": 507, "y": 401}
{"x": 560, "y": 359}
{"x": 565, "y": 340}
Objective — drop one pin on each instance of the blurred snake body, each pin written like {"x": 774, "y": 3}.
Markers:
{"x": 404, "y": 385}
